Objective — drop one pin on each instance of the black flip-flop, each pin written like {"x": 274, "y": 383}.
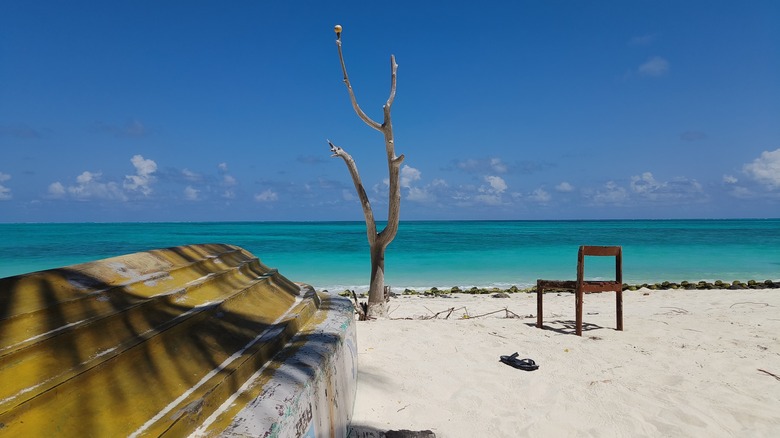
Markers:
{"x": 521, "y": 364}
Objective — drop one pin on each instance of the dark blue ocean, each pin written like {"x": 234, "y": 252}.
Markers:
{"x": 334, "y": 255}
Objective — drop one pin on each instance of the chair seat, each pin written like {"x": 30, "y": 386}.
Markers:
{"x": 600, "y": 286}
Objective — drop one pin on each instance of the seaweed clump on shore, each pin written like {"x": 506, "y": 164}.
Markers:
{"x": 666, "y": 285}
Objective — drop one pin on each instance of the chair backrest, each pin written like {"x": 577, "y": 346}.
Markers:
{"x": 600, "y": 251}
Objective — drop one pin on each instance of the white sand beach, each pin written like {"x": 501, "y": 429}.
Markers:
{"x": 689, "y": 363}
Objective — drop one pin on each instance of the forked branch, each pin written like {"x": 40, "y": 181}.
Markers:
{"x": 363, "y": 116}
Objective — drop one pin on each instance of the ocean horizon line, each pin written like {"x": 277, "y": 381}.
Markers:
{"x": 382, "y": 222}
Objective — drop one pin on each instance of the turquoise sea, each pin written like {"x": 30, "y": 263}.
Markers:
{"x": 334, "y": 255}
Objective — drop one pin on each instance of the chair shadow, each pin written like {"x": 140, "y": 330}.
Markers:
{"x": 569, "y": 327}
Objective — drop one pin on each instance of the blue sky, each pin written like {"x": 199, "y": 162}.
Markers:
{"x": 220, "y": 111}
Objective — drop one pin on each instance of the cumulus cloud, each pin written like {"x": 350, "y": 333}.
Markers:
{"x": 655, "y": 66}
{"x": 564, "y": 187}
{"x": 497, "y": 165}
{"x": 409, "y": 175}
{"x": 143, "y": 178}
{"x": 267, "y": 195}
{"x": 5, "y": 192}
{"x": 88, "y": 185}
{"x": 190, "y": 193}
{"x": 540, "y": 195}
{"x": 497, "y": 184}
{"x": 765, "y": 169}
{"x": 646, "y": 186}
{"x": 228, "y": 182}
{"x": 729, "y": 179}
{"x": 491, "y": 194}
{"x": 191, "y": 176}
{"x": 610, "y": 194}
{"x": 57, "y": 190}
{"x": 419, "y": 194}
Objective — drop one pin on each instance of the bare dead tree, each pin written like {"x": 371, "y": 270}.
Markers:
{"x": 377, "y": 240}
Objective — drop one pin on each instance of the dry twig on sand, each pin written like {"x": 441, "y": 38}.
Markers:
{"x": 750, "y": 302}
{"x": 771, "y": 374}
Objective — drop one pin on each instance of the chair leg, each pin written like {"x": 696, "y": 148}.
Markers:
{"x": 619, "y": 309}
{"x": 539, "y": 292}
{"x": 578, "y": 311}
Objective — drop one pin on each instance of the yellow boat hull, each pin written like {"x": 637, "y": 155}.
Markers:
{"x": 200, "y": 340}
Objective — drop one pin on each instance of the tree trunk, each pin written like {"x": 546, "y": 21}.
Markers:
{"x": 377, "y": 306}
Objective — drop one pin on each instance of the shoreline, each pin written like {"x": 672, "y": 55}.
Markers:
{"x": 361, "y": 291}
{"x": 687, "y": 364}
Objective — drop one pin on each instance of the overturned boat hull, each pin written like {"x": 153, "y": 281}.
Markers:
{"x": 199, "y": 340}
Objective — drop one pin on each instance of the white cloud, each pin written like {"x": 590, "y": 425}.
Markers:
{"x": 267, "y": 195}
{"x": 497, "y": 184}
{"x": 497, "y": 165}
{"x": 88, "y": 185}
{"x": 409, "y": 175}
{"x": 765, "y": 169}
{"x": 190, "y": 175}
{"x": 646, "y": 186}
{"x": 540, "y": 195}
{"x": 564, "y": 187}
{"x": 143, "y": 178}
{"x": 729, "y": 179}
{"x": 438, "y": 182}
{"x": 418, "y": 194}
{"x": 57, "y": 190}
{"x": 655, "y": 66}
{"x": 5, "y": 192}
{"x": 611, "y": 194}
{"x": 489, "y": 199}
{"x": 223, "y": 167}
{"x": 468, "y": 165}
{"x": 229, "y": 180}
{"x": 190, "y": 193}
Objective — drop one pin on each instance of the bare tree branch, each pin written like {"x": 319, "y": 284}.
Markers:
{"x": 352, "y": 97}
{"x": 364, "y": 202}
{"x": 393, "y": 70}
{"x": 378, "y": 241}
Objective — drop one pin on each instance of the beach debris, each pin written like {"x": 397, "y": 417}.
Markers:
{"x": 749, "y": 303}
{"x": 507, "y": 313}
{"x": 771, "y": 374}
{"x": 500, "y": 295}
{"x": 360, "y": 308}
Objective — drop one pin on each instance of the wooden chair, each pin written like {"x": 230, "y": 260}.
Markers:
{"x": 581, "y": 286}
